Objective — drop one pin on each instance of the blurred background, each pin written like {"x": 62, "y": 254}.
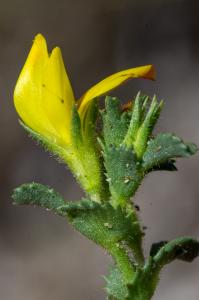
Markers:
{"x": 41, "y": 256}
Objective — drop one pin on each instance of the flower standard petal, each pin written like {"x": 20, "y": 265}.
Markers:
{"x": 112, "y": 82}
{"x": 57, "y": 95}
{"x": 28, "y": 90}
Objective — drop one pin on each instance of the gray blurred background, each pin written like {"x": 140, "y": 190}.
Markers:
{"x": 41, "y": 256}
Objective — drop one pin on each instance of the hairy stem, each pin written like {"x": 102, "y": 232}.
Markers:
{"x": 123, "y": 261}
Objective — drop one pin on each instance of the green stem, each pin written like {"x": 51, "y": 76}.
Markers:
{"x": 123, "y": 261}
{"x": 136, "y": 243}
{"x": 137, "y": 253}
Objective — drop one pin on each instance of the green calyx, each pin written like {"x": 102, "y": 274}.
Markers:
{"x": 81, "y": 155}
{"x": 143, "y": 120}
{"x": 110, "y": 162}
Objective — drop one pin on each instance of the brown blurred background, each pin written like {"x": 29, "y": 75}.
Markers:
{"x": 41, "y": 257}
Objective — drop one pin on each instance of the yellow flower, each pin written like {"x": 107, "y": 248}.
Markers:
{"x": 45, "y": 102}
{"x": 44, "y": 97}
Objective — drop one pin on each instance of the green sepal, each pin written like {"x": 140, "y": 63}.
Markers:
{"x": 42, "y": 141}
{"x": 138, "y": 113}
{"x": 124, "y": 173}
{"x": 147, "y": 126}
{"x": 81, "y": 156}
{"x": 76, "y": 132}
{"x": 59, "y": 152}
{"x": 85, "y": 162}
{"x": 115, "y": 123}
{"x": 89, "y": 122}
{"x": 164, "y": 147}
{"x": 83, "y": 131}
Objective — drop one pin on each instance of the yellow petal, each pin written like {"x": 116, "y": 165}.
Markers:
{"x": 28, "y": 90}
{"x": 114, "y": 81}
{"x": 57, "y": 95}
{"x": 40, "y": 90}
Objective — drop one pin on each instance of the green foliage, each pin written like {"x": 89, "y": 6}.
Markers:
{"x": 129, "y": 150}
{"x": 104, "y": 224}
{"x": 115, "y": 123}
{"x": 85, "y": 162}
{"x": 142, "y": 123}
{"x": 164, "y": 147}
{"x": 146, "y": 279}
{"x": 136, "y": 119}
{"x": 116, "y": 285}
{"x": 106, "y": 216}
{"x": 184, "y": 248}
{"x": 144, "y": 282}
{"x": 146, "y": 128}
{"x": 38, "y": 194}
{"x": 169, "y": 165}
{"x": 101, "y": 223}
{"x": 124, "y": 173}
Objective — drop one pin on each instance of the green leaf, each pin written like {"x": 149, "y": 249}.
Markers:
{"x": 38, "y": 194}
{"x": 99, "y": 222}
{"x": 156, "y": 247}
{"x": 124, "y": 173}
{"x": 169, "y": 165}
{"x": 164, "y": 147}
{"x": 108, "y": 227}
{"x": 184, "y": 248}
{"x": 115, "y": 123}
{"x": 102, "y": 223}
{"x": 116, "y": 285}
{"x": 146, "y": 279}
